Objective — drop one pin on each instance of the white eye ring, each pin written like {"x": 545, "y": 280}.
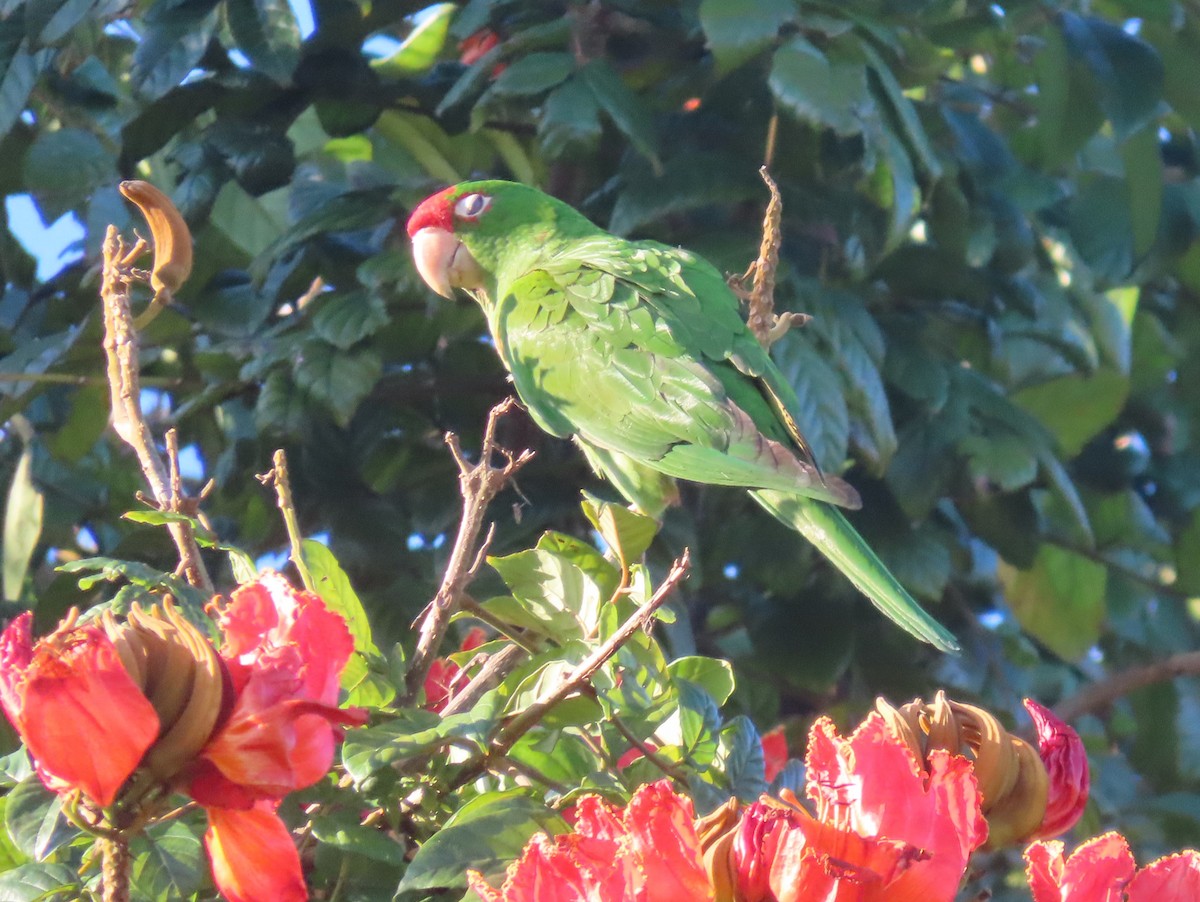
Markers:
{"x": 471, "y": 206}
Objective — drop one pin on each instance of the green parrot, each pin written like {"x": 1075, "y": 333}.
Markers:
{"x": 639, "y": 353}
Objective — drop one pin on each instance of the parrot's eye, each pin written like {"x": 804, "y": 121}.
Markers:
{"x": 471, "y": 206}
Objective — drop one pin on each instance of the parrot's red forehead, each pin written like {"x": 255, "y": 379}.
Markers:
{"x": 435, "y": 210}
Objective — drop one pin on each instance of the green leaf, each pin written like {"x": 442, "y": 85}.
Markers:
{"x": 168, "y": 863}
{"x": 345, "y": 319}
{"x": 627, "y": 111}
{"x": 1075, "y": 408}
{"x": 64, "y": 167}
{"x": 176, "y": 37}
{"x": 1128, "y": 71}
{"x": 534, "y": 74}
{"x": 22, "y": 525}
{"x": 338, "y": 379}
{"x": 570, "y": 120}
{"x": 34, "y": 820}
{"x": 1059, "y": 600}
{"x": 367, "y": 682}
{"x": 334, "y": 587}
{"x": 341, "y": 830}
{"x": 627, "y": 532}
{"x": 267, "y": 32}
{"x": 1187, "y": 556}
{"x": 22, "y": 74}
{"x": 738, "y": 30}
{"x": 40, "y": 882}
{"x": 741, "y": 758}
{"x": 713, "y": 675}
{"x": 824, "y": 419}
{"x": 1144, "y": 183}
{"x": 102, "y": 569}
{"x": 414, "y": 732}
{"x": 420, "y": 50}
{"x": 484, "y": 835}
{"x": 820, "y": 91}
{"x": 548, "y": 582}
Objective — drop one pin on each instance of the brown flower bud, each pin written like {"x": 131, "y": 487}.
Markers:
{"x": 181, "y": 675}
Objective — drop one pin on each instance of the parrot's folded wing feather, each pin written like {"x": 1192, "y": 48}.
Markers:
{"x": 604, "y": 362}
{"x": 840, "y": 542}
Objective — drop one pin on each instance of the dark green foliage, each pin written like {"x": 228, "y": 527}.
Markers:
{"x": 991, "y": 210}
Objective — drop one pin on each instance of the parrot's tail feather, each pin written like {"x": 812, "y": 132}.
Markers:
{"x": 834, "y": 537}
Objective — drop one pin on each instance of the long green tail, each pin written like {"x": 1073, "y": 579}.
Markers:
{"x": 824, "y": 526}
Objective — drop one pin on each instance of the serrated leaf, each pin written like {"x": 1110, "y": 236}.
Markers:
{"x": 34, "y": 820}
{"x": 627, "y": 532}
{"x": 818, "y": 90}
{"x": 570, "y": 119}
{"x": 346, "y": 319}
{"x": 38, "y": 881}
{"x": 544, "y": 580}
{"x": 102, "y": 569}
{"x": 533, "y": 74}
{"x": 334, "y": 587}
{"x": 168, "y": 863}
{"x": 267, "y": 32}
{"x": 713, "y": 675}
{"x": 1059, "y": 600}
{"x": 22, "y": 525}
{"x": 484, "y": 835}
{"x": 738, "y": 30}
{"x": 338, "y": 379}
{"x": 627, "y": 111}
{"x": 741, "y": 758}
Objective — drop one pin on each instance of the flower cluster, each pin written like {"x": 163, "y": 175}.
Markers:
{"x": 885, "y": 822}
{"x": 113, "y": 714}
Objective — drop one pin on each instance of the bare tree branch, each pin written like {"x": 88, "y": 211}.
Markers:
{"x": 124, "y": 380}
{"x": 478, "y": 484}
{"x": 1103, "y": 693}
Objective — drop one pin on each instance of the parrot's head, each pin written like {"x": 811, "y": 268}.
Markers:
{"x": 474, "y": 233}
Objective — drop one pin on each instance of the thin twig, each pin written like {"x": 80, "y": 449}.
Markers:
{"x": 124, "y": 379}
{"x": 1103, "y": 693}
{"x": 278, "y": 477}
{"x": 493, "y": 671}
{"x": 582, "y": 673}
{"x": 478, "y": 484}
{"x": 760, "y": 296}
{"x": 73, "y": 379}
{"x": 648, "y": 753}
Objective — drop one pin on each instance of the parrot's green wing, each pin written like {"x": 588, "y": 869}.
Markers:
{"x": 644, "y": 358}
{"x": 605, "y": 356}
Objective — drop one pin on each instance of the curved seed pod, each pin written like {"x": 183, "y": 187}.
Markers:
{"x": 172, "y": 242}
{"x": 1017, "y": 816}
{"x": 179, "y": 744}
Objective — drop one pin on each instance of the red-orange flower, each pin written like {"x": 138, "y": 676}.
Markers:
{"x": 82, "y": 717}
{"x": 1103, "y": 870}
{"x": 285, "y": 652}
{"x": 903, "y": 833}
{"x": 647, "y": 851}
{"x": 253, "y": 856}
{"x": 443, "y": 675}
{"x": 775, "y": 752}
{"x": 1065, "y": 758}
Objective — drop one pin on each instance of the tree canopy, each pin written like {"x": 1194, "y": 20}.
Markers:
{"x": 991, "y": 212}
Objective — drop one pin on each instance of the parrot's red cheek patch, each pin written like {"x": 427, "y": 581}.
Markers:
{"x": 435, "y": 210}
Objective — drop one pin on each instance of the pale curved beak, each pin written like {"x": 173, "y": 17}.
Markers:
{"x": 444, "y": 262}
